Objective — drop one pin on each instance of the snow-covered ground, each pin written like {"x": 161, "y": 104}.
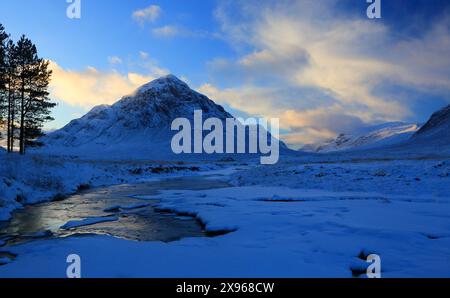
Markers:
{"x": 413, "y": 177}
{"x": 38, "y": 178}
{"x": 311, "y": 215}
{"x": 296, "y": 219}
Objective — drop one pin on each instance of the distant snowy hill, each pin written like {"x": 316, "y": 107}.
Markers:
{"x": 137, "y": 126}
{"x": 437, "y": 129}
{"x": 372, "y": 137}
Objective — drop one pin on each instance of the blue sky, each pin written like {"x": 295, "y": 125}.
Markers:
{"x": 320, "y": 66}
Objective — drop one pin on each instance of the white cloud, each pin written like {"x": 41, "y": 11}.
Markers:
{"x": 114, "y": 60}
{"x": 143, "y": 55}
{"x": 166, "y": 31}
{"x": 149, "y": 14}
{"x": 170, "y": 31}
{"x": 253, "y": 100}
{"x": 425, "y": 61}
{"x": 297, "y": 45}
{"x": 91, "y": 87}
{"x": 306, "y": 125}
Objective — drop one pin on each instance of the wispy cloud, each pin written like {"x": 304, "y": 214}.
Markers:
{"x": 289, "y": 47}
{"x": 167, "y": 31}
{"x": 170, "y": 31}
{"x": 114, "y": 60}
{"x": 306, "y": 123}
{"x": 143, "y": 55}
{"x": 91, "y": 87}
{"x": 149, "y": 14}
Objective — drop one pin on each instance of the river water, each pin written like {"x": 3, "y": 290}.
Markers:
{"x": 137, "y": 219}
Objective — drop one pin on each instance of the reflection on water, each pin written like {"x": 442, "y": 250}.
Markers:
{"x": 142, "y": 224}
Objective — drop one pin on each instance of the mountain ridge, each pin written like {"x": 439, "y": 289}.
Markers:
{"x": 438, "y": 126}
{"x": 371, "y": 137}
{"x": 138, "y": 125}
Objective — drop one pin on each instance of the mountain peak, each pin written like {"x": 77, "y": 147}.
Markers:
{"x": 169, "y": 80}
{"x": 170, "y": 77}
{"x": 140, "y": 121}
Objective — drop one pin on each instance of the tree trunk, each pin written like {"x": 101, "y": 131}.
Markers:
{"x": 9, "y": 123}
{"x": 13, "y": 127}
{"x": 22, "y": 120}
{"x": 10, "y": 117}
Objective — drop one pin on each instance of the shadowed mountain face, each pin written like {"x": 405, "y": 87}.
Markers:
{"x": 137, "y": 126}
{"x": 437, "y": 129}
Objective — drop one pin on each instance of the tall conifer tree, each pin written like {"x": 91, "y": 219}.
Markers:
{"x": 34, "y": 104}
{"x": 3, "y": 97}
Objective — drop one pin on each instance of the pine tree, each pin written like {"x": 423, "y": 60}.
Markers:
{"x": 26, "y": 54}
{"x": 7, "y": 84}
{"x": 34, "y": 104}
{"x": 3, "y": 100}
{"x": 11, "y": 92}
{"x": 24, "y": 96}
{"x": 38, "y": 106}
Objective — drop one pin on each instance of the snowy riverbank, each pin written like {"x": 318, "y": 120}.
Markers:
{"x": 32, "y": 179}
{"x": 295, "y": 220}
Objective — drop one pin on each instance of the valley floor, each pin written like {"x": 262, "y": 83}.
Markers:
{"x": 296, "y": 219}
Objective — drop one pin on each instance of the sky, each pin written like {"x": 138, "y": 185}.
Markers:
{"x": 321, "y": 66}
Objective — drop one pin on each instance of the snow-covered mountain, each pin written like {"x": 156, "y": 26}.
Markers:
{"x": 431, "y": 140}
{"x": 372, "y": 137}
{"x": 137, "y": 126}
{"x": 437, "y": 129}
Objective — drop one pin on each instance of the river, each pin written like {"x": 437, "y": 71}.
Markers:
{"x": 136, "y": 219}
